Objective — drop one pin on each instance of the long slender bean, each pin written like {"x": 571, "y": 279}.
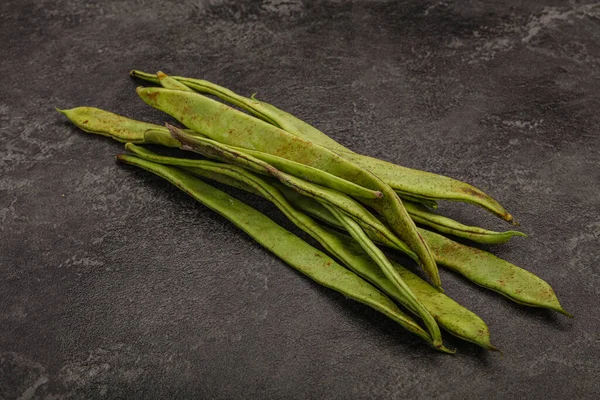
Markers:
{"x": 424, "y": 216}
{"x": 124, "y": 129}
{"x": 414, "y": 183}
{"x": 232, "y": 127}
{"x": 390, "y": 273}
{"x": 211, "y": 149}
{"x": 450, "y": 315}
{"x": 120, "y": 128}
{"x": 294, "y": 251}
{"x": 479, "y": 266}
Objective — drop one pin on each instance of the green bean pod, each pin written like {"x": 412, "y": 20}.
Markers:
{"x": 478, "y": 266}
{"x": 407, "y": 296}
{"x": 406, "y": 181}
{"x": 288, "y": 247}
{"x": 100, "y": 122}
{"x": 489, "y": 271}
{"x": 450, "y": 315}
{"x": 212, "y": 149}
{"x": 424, "y": 216}
{"x": 120, "y": 128}
{"x": 232, "y": 127}
{"x": 218, "y": 150}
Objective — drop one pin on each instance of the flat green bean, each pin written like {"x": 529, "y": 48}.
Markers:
{"x": 405, "y": 181}
{"x": 213, "y": 149}
{"x": 288, "y": 247}
{"x": 120, "y": 128}
{"x": 450, "y": 315}
{"x": 424, "y": 216}
{"x": 357, "y": 233}
{"x": 478, "y": 266}
{"x": 100, "y": 122}
{"x": 235, "y": 128}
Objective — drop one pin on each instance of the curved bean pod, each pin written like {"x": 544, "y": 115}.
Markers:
{"x": 408, "y": 297}
{"x": 235, "y": 128}
{"x": 424, "y": 216}
{"x": 212, "y": 149}
{"x": 122, "y": 129}
{"x": 450, "y": 315}
{"x": 494, "y": 273}
{"x": 405, "y": 181}
{"x": 100, "y": 122}
{"x": 478, "y": 266}
{"x": 288, "y": 247}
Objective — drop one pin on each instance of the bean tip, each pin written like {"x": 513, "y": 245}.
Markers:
{"x": 161, "y": 75}
{"x": 64, "y": 112}
{"x": 444, "y": 349}
{"x": 564, "y": 312}
{"x": 518, "y": 233}
{"x": 378, "y": 194}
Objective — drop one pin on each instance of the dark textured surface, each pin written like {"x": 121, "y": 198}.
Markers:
{"x": 114, "y": 284}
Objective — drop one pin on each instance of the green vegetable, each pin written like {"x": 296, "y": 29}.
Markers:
{"x": 480, "y": 267}
{"x": 450, "y": 315}
{"x": 424, "y": 216}
{"x": 220, "y": 151}
{"x": 294, "y": 251}
{"x": 235, "y": 128}
{"x": 406, "y": 181}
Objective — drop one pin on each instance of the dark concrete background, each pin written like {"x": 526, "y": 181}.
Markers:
{"x": 114, "y": 284}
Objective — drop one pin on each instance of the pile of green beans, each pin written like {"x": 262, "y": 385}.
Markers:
{"x": 350, "y": 203}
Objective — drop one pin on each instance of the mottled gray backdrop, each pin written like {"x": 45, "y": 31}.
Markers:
{"x": 114, "y": 284}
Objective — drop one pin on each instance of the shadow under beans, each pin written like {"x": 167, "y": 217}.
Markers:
{"x": 381, "y": 329}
